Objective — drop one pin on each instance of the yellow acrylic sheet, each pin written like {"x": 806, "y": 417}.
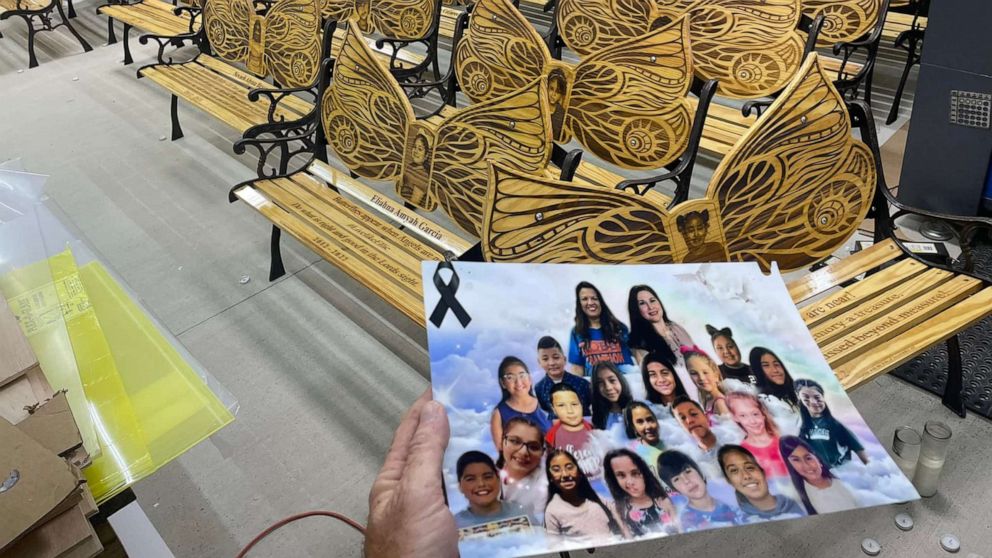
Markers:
{"x": 146, "y": 404}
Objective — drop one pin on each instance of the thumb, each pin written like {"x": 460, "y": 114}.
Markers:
{"x": 427, "y": 448}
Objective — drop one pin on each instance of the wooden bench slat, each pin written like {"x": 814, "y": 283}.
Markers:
{"x": 841, "y": 301}
{"x": 171, "y": 81}
{"x": 223, "y": 98}
{"x": 883, "y": 328}
{"x": 886, "y": 302}
{"x": 292, "y": 104}
{"x": 340, "y": 255}
{"x": 150, "y": 16}
{"x": 846, "y": 269}
{"x": 911, "y": 343}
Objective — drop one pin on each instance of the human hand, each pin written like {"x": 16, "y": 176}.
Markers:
{"x": 407, "y": 513}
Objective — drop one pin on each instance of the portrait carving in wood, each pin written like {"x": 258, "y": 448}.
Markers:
{"x": 843, "y": 20}
{"x": 370, "y": 125}
{"x": 792, "y": 190}
{"x": 397, "y": 19}
{"x": 284, "y": 43}
{"x": 626, "y": 104}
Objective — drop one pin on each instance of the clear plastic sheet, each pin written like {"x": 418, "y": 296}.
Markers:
{"x": 139, "y": 398}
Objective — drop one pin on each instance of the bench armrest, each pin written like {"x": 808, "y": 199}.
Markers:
{"x": 276, "y": 95}
{"x": 195, "y": 12}
{"x": 174, "y": 40}
{"x": 289, "y": 139}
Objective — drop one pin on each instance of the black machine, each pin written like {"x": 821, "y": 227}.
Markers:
{"x": 948, "y": 161}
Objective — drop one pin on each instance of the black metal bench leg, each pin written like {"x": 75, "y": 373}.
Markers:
{"x": 111, "y": 34}
{"x": 276, "y": 269}
{"x": 177, "y": 130}
{"x": 127, "y": 45}
{"x": 897, "y": 100}
{"x": 72, "y": 10}
{"x": 32, "y": 57}
{"x": 868, "y": 82}
{"x": 65, "y": 20}
{"x": 952, "y": 390}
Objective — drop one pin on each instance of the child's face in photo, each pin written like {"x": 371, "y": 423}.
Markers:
{"x": 589, "y": 301}
{"x": 480, "y": 484}
{"x": 649, "y": 306}
{"x": 748, "y": 414}
{"x": 516, "y": 380}
{"x": 745, "y": 476}
{"x": 702, "y": 373}
{"x": 522, "y": 449}
{"x": 567, "y": 407}
{"x": 693, "y": 420}
{"x": 564, "y": 473}
{"x": 628, "y": 476}
{"x": 727, "y": 350}
{"x": 695, "y": 231}
{"x": 690, "y": 484}
{"x": 645, "y": 425}
{"x": 773, "y": 369}
{"x": 813, "y": 400}
{"x": 552, "y": 361}
{"x": 806, "y": 464}
{"x": 661, "y": 378}
{"x": 608, "y": 385}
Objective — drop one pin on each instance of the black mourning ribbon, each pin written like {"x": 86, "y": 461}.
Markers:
{"x": 448, "y": 300}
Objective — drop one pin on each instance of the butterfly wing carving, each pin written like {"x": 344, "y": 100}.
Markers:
{"x": 344, "y": 10}
{"x": 500, "y": 53}
{"x": 590, "y": 26}
{"x": 403, "y": 19}
{"x": 514, "y": 129}
{"x": 797, "y": 184}
{"x": 227, "y": 24}
{"x": 292, "y": 42}
{"x": 628, "y": 104}
{"x": 365, "y": 113}
{"x": 843, "y": 20}
{"x": 531, "y": 219}
{"x": 752, "y": 49}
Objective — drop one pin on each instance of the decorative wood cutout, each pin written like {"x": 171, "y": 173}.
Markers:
{"x": 843, "y": 20}
{"x": 752, "y": 49}
{"x": 588, "y": 27}
{"x": 791, "y": 191}
{"x": 405, "y": 20}
{"x": 285, "y": 43}
{"x": 627, "y": 104}
{"x": 370, "y": 125}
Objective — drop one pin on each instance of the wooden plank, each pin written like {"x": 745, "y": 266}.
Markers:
{"x": 846, "y": 269}
{"x": 911, "y": 343}
{"x": 171, "y": 79}
{"x": 883, "y": 328}
{"x": 341, "y": 256}
{"x": 290, "y": 107}
{"x": 860, "y": 292}
{"x": 885, "y": 303}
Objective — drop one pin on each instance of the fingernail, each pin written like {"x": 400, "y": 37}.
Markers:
{"x": 432, "y": 411}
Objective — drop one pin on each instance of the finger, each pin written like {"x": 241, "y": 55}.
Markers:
{"x": 392, "y": 467}
{"x": 426, "y": 452}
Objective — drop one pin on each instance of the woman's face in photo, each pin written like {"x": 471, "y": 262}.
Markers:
{"x": 806, "y": 464}
{"x": 813, "y": 400}
{"x": 564, "y": 473}
{"x": 628, "y": 476}
{"x": 480, "y": 484}
{"x": 661, "y": 378}
{"x": 515, "y": 380}
{"x": 645, "y": 424}
{"x": 522, "y": 450}
{"x": 773, "y": 369}
{"x": 745, "y": 475}
{"x": 727, "y": 350}
{"x": 690, "y": 484}
{"x": 702, "y": 373}
{"x": 748, "y": 414}
{"x": 589, "y": 301}
{"x": 608, "y": 385}
{"x": 649, "y": 307}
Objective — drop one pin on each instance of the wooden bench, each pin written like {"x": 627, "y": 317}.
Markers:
{"x": 239, "y": 98}
{"x": 38, "y": 16}
{"x": 160, "y": 19}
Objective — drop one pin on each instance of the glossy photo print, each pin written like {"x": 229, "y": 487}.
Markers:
{"x": 598, "y": 405}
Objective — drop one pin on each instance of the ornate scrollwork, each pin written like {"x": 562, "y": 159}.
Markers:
{"x": 844, "y": 21}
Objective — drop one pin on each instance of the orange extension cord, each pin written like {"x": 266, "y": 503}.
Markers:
{"x": 286, "y": 521}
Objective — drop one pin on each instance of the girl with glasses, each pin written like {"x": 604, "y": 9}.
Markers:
{"x": 518, "y": 399}
{"x": 519, "y": 464}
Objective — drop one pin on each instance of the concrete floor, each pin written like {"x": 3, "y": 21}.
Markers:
{"x": 322, "y": 369}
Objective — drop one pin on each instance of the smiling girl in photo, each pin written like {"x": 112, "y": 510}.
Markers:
{"x": 726, "y": 349}
{"x": 518, "y": 399}
{"x": 819, "y": 490}
{"x": 597, "y": 336}
{"x": 519, "y": 466}
{"x": 638, "y": 498}
{"x": 610, "y": 395}
{"x": 832, "y": 440}
{"x": 641, "y": 425}
{"x": 750, "y": 482}
{"x": 760, "y": 431}
{"x": 706, "y": 375}
{"x": 478, "y": 481}
{"x": 574, "y": 509}
{"x": 773, "y": 378}
{"x": 661, "y": 383}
